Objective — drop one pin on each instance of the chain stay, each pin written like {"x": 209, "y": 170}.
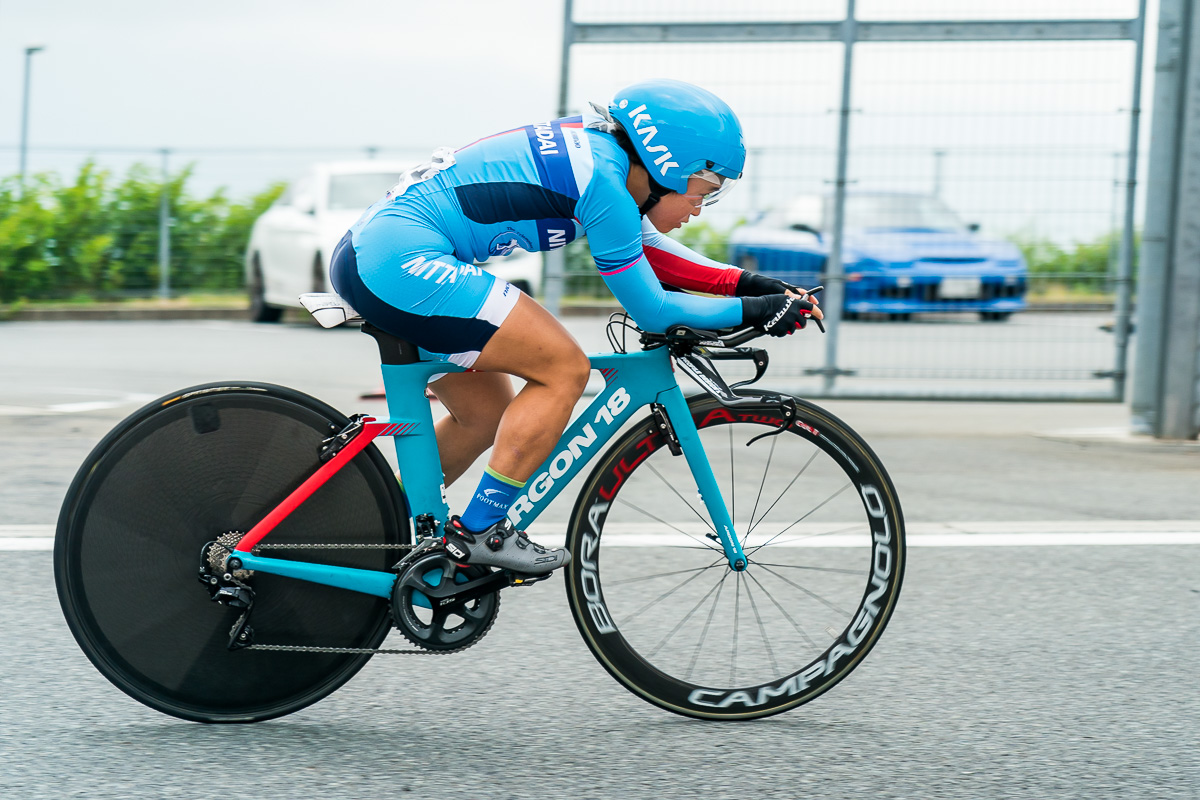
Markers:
{"x": 299, "y": 648}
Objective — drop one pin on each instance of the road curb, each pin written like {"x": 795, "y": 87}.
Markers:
{"x": 91, "y": 314}
{"x": 292, "y": 315}
{"x": 128, "y": 314}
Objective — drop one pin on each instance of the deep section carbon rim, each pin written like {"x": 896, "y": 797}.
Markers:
{"x": 656, "y": 600}
{"x": 179, "y": 473}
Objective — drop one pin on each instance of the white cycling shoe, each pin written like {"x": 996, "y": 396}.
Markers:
{"x": 504, "y": 547}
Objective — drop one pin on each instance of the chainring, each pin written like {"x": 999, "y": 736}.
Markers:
{"x": 436, "y": 626}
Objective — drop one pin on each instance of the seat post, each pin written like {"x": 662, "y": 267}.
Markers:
{"x": 392, "y": 350}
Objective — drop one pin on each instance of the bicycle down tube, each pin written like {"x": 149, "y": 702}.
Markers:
{"x": 632, "y": 381}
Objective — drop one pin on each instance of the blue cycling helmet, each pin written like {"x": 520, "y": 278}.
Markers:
{"x": 680, "y": 130}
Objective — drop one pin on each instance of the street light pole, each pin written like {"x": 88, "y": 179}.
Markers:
{"x": 29, "y": 51}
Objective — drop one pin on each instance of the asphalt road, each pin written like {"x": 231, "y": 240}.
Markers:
{"x": 1008, "y": 671}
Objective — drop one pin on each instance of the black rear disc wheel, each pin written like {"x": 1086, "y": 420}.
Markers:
{"x": 662, "y": 610}
{"x": 181, "y": 472}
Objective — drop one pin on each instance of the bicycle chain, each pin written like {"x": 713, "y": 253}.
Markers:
{"x": 300, "y": 648}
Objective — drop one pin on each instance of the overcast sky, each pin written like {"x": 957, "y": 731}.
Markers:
{"x": 305, "y": 72}
{"x": 413, "y": 74}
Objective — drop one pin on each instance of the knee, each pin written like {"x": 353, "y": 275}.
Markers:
{"x": 576, "y": 373}
{"x": 573, "y": 373}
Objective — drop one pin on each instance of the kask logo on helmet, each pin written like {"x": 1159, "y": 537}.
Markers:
{"x": 639, "y": 118}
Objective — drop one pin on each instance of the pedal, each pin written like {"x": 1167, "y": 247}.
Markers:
{"x": 527, "y": 580}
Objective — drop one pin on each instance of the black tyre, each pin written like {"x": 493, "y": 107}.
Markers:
{"x": 995, "y": 316}
{"x": 659, "y": 605}
{"x": 179, "y": 473}
{"x": 260, "y": 310}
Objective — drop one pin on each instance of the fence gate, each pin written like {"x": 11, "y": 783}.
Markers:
{"x": 964, "y": 188}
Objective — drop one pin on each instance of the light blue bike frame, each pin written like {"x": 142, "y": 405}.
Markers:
{"x": 633, "y": 381}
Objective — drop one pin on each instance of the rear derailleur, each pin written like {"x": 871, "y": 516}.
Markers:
{"x": 225, "y": 581}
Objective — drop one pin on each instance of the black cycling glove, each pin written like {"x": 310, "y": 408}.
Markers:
{"x": 752, "y": 284}
{"x": 776, "y": 314}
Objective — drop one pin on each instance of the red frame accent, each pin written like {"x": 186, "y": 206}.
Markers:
{"x": 370, "y": 430}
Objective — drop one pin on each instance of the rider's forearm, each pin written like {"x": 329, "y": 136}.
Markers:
{"x": 677, "y": 265}
{"x": 655, "y": 309}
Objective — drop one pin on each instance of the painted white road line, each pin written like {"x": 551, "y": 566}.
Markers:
{"x": 611, "y": 539}
{"x": 118, "y": 401}
{"x": 10, "y": 531}
{"x": 1071, "y": 533}
{"x": 26, "y": 543}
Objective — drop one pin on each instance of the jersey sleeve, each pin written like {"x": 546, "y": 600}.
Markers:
{"x": 677, "y": 265}
{"x": 613, "y": 227}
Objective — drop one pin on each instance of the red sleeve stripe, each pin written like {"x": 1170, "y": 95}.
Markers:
{"x": 680, "y": 272}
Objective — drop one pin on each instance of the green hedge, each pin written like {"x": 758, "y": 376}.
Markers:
{"x": 1087, "y": 267}
{"x": 98, "y": 236}
{"x": 582, "y": 279}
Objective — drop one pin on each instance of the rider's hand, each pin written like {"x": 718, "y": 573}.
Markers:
{"x": 778, "y": 314}
{"x": 752, "y": 284}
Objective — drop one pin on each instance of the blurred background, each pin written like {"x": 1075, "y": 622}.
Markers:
{"x": 1002, "y": 198}
{"x": 968, "y": 179}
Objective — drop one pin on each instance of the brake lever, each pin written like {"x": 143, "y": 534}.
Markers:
{"x": 810, "y": 293}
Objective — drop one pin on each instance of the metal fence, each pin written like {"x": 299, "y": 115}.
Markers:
{"x": 188, "y": 239}
{"x": 1025, "y": 128}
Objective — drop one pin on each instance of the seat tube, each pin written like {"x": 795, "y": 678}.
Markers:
{"x": 710, "y": 493}
{"x": 416, "y": 445}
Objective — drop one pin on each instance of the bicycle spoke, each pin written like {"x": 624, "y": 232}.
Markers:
{"x": 797, "y": 522}
{"x": 814, "y": 569}
{"x": 664, "y": 574}
{"x": 672, "y": 527}
{"x": 704, "y": 631}
{"x": 681, "y": 497}
{"x": 835, "y": 532}
{"x": 803, "y": 634}
{"x": 762, "y": 630}
{"x": 667, "y": 594}
{"x": 762, "y": 484}
{"x": 810, "y": 593}
{"x": 753, "y": 524}
{"x": 686, "y": 617}
{"x": 737, "y": 601}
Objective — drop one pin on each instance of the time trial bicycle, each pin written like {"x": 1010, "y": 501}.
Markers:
{"x": 735, "y": 554}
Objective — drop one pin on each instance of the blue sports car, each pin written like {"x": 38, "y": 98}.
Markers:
{"x": 904, "y": 253}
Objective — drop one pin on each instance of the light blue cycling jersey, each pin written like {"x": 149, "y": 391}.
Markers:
{"x": 536, "y": 188}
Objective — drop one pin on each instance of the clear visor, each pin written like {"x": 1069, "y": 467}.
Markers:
{"x": 722, "y": 183}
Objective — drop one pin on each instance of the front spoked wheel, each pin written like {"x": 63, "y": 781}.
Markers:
{"x": 661, "y": 609}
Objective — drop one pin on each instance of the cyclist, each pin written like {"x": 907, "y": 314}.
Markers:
{"x": 623, "y": 176}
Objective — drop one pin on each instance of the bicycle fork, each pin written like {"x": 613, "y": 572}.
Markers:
{"x": 681, "y": 429}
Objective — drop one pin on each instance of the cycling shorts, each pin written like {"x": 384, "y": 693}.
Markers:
{"x": 402, "y": 277}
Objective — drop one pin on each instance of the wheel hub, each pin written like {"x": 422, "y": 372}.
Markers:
{"x": 220, "y": 550}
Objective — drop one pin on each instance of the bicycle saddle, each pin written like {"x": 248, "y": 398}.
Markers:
{"x": 329, "y": 309}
